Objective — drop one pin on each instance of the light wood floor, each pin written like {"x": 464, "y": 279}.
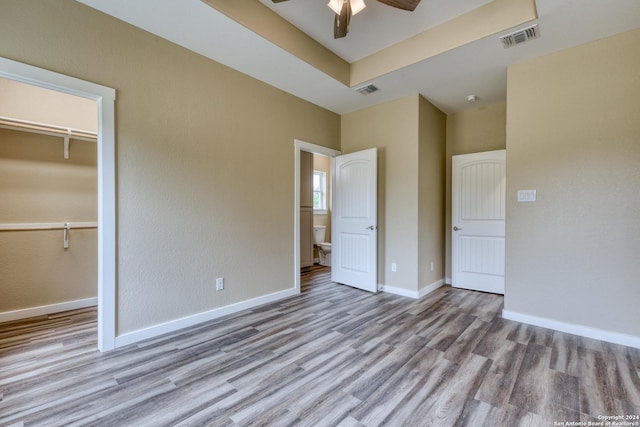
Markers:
{"x": 332, "y": 356}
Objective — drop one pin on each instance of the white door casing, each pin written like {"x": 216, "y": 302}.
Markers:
{"x": 478, "y": 221}
{"x": 354, "y": 220}
{"x": 105, "y": 98}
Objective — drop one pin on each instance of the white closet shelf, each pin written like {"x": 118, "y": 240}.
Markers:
{"x": 65, "y": 226}
{"x": 47, "y": 226}
{"x": 52, "y": 130}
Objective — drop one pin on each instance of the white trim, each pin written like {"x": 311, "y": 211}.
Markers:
{"x": 411, "y": 294}
{"x": 448, "y": 281}
{"x": 572, "y": 328}
{"x": 25, "y": 313}
{"x": 38, "y": 226}
{"x": 299, "y": 146}
{"x": 195, "y": 319}
{"x": 47, "y": 129}
{"x": 398, "y": 291}
{"x": 105, "y": 98}
{"x": 430, "y": 288}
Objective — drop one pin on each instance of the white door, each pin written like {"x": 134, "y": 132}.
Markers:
{"x": 478, "y": 221}
{"x": 354, "y": 220}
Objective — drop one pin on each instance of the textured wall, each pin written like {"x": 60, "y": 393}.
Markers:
{"x": 573, "y": 134}
{"x": 393, "y": 129}
{"x": 26, "y": 102}
{"x": 195, "y": 200}
{"x": 410, "y": 137}
{"x": 431, "y": 194}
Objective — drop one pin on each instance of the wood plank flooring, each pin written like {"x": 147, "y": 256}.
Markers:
{"x": 333, "y": 356}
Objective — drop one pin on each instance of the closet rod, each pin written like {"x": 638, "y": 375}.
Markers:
{"x": 47, "y": 226}
{"x": 47, "y": 129}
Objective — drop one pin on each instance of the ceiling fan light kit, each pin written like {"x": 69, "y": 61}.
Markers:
{"x": 345, "y": 9}
{"x": 356, "y": 5}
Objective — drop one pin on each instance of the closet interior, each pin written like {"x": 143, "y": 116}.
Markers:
{"x": 48, "y": 201}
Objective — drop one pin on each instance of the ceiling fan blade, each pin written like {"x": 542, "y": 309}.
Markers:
{"x": 341, "y": 21}
{"x": 409, "y": 5}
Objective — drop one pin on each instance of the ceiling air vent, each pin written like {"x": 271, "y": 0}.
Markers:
{"x": 520, "y": 36}
{"x": 366, "y": 90}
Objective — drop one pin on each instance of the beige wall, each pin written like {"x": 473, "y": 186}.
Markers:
{"x": 409, "y": 134}
{"x": 323, "y": 163}
{"x": 472, "y": 131}
{"x": 37, "y": 185}
{"x": 573, "y": 134}
{"x": 431, "y": 196}
{"x": 32, "y": 103}
{"x": 393, "y": 129}
{"x": 194, "y": 199}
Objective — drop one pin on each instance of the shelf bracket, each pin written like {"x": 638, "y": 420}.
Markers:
{"x": 66, "y": 144}
{"x": 65, "y": 243}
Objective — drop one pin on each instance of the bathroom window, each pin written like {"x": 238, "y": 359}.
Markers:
{"x": 319, "y": 192}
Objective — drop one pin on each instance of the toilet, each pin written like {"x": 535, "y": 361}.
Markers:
{"x": 324, "y": 248}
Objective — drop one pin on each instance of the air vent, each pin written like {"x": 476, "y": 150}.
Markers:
{"x": 520, "y": 36}
{"x": 366, "y": 90}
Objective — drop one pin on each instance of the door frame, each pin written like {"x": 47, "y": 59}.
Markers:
{"x": 300, "y": 146}
{"x": 105, "y": 99}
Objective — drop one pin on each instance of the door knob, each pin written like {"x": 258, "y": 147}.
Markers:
{"x": 456, "y": 228}
{"x": 371, "y": 227}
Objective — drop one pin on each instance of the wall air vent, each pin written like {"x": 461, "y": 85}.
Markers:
{"x": 366, "y": 90}
{"x": 520, "y": 36}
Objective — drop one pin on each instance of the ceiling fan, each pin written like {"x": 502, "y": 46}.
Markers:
{"x": 344, "y": 9}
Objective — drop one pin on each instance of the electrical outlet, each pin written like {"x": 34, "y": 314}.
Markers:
{"x": 432, "y": 266}
{"x": 219, "y": 283}
{"x": 394, "y": 267}
{"x": 526, "y": 196}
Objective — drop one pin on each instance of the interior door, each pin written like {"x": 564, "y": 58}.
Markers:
{"x": 354, "y": 220}
{"x": 478, "y": 221}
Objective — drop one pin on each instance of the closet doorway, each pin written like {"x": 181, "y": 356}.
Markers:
{"x": 30, "y": 223}
{"x": 49, "y": 201}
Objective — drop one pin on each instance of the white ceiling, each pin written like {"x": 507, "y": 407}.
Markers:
{"x": 374, "y": 28}
{"x": 446, "y": 79}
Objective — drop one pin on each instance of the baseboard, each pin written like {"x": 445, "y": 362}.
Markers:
{"x": 177, "y": 324}
{"x": 399, "y": 291}
{"x": 430, "y": 288}
{"x": 412, "y": 294}
{"x": 571, "y": 328}
{"x": 25, "y": 313}
{"x": 448, "y": 281}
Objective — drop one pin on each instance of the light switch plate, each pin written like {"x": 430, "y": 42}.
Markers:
{"x": 526, "y": 195}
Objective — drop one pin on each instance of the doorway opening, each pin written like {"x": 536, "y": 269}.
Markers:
{"x": 313, "y": 200}
{"x": 49, "y": 194}
{"x": 315, "y": 211}
{"x": 353, "y": 219}
{"x": 104, "y": 97}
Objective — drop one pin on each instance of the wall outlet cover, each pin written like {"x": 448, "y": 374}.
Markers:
{"x": 526, "y": 196}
